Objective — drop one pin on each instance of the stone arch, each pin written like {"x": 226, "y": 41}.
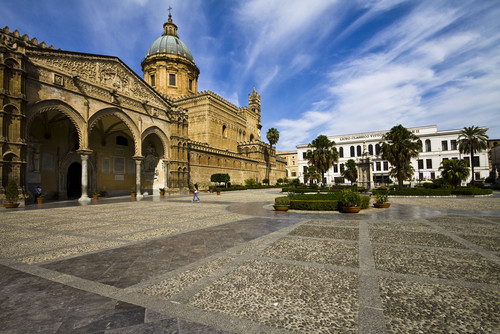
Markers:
{"x": 125, "y": 119}
{"x": 57, "y": 105}
{"x": 163, "y": 138}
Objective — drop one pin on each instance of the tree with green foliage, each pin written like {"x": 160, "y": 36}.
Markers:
{"x": 454, "y": 171}
{"x": 471, "y": 140}
{"x": 311, "y": 175}
{"x": 220, "y": 178}
{"x": 351, "y": 171}
{"x": 322, "y": 155}
{"x": 273, "y": 136}
{"x": 399, "y": 146}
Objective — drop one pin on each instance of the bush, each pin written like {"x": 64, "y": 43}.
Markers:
{"x": 11, "y": 192}
{"x": 265, "y": 181}
{"x": 314, "y": 205}
{"x": 472, "y": 191}
{"x": 365, "y": 202}
{"x": 350, "y": 198}
{"x": 284, "y": 200}
{"x": 421, "y": 192}
{"x": 220, "y": 178}
{"x": 250, "y": 182}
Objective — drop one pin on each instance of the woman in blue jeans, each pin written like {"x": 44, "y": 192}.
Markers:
{"x": 196, "y": 192}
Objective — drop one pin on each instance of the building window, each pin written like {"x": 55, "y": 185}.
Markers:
{"x": 476, "y": 161}
{"x": 433, "y": 176}
{"x": 386, "y": 165}
{"x": 477, "y": 176}
{"x": 377, "y": 149}
{"x": 341, "y": 168}
{"x": 190, "y": 84}
{"x": 428, "y": 163}
{"x": 224, "y": 131}
{"x": 293, "y": 162}
{"x": 304, "y": 155}
{"x": 341, "y": 152}
{"x": 420, "y": 176}
{"x": 358, "y": 150}
{"x": 153, "y": 82}
{"x": 171, "y": 79}
{"x": 370, "y": 149}
{"x": 378, "y": 166}
{"x": 335, "y": 168}
{"x": 305, "y": 169}
{"x": 453, "y": 144}
{"x": 427, "y": 145}
{"x": 444, "y": 145}
{"x": 294, "y": 173}
{"x": 420, "y": 164}
{"x": 352, "y": 151}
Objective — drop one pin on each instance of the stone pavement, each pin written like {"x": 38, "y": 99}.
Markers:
{"x": 231, "y": 264}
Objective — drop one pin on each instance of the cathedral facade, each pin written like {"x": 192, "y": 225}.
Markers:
{"x": 75, "y": 123}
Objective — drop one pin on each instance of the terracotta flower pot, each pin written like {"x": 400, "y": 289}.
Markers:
{"x": 351, "y": 209}
{"x": 132, "y": 195}
{"x": 10, "y": 205}
{"x": 281, "y": 207}
{"x": 39, "y": 200}
{"x": 95, "y": 197}
{"x": 381, "y": 205}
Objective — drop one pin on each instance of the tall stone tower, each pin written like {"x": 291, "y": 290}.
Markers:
{"x": 169, "y": 66}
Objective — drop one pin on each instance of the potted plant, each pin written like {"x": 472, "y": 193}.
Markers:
{"x": 218, "y": 191}
{"x": 281, "y": 203}
{"x": 381, "y": 198}
{"x": 133, "y": 193}
{"x": 350, "y": 201}
{"x": 96, "y": 195}
{"x": 39, "y": 198}
{"x": 162, "y": 191}
{"x": 11, "y": 195}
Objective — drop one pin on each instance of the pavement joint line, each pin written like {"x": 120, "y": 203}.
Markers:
{"x": 369, "y": 291}
{"x": 475, "y": 248}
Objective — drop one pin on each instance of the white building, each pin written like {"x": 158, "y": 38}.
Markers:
{"x": 436, "y": 147}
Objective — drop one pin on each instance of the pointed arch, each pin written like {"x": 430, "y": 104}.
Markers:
{"x": 129, "y": 123}
{"x": 60, "y": 106}
{"x": 163, "y": 137}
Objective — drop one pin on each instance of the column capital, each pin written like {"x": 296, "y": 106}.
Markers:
{"x": 138, "y": 158}
{"x": 84, "y": 152}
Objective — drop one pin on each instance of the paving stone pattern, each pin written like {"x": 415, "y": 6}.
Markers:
{"x": 232, "y": 265}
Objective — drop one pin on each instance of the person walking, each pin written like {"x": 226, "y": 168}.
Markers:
{"x": 196, "y": 192}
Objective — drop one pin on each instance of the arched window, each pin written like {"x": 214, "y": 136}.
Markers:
{"x": 427, "y": 145}
{"x": 377, "y": 149}
{"x": 358, "y": 150}
{"x": 370, "y": 149}
{"x": 251, "y": 137}
{"x": 341, "y": 152}
{"x": 352, "y": 151}
{"x": 224, "y": 131}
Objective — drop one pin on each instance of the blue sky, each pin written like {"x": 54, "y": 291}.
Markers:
{"x": 321, "y": 67}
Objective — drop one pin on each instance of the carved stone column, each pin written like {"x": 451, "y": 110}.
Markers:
{"x": 138, "y": 162}
{"x": 165, "y": 173}
{"x": 84, "y": 154}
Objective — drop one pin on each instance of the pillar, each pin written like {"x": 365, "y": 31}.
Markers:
{"x": 84, "y": 154}
{"x": 165, "y": 174}
{"x": 138, "y": 162}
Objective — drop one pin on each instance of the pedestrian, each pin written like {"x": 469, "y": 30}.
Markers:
{"x": 196, "y": 192}
{"x": 38, "y": 192}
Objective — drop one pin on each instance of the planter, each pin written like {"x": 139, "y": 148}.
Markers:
{"x": 10, "y": 205}
{"x": 162, "y": 193}
{"x": 218, "y": 193}
{"x": 39, "y": 200}
{"x": 95, "y": 197}
{"x": 381, "y": 205}
{"x": 351, "y": 209}
{"x": 132, "y": 195}
{"x": 281, "y": 207}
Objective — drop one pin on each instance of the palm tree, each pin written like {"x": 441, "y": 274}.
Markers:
{"x": 323, "y": 154}
{"x": 399, "y": 146}
{"x": 471, "y": 140}
{"x": 454, "y": 171}
{"x": 273, "y": 135}
{"x": 311, "y": 175}
{"x": 351, "y": 171}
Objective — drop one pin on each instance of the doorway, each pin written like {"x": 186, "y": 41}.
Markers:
{"x": 74, "y": 180}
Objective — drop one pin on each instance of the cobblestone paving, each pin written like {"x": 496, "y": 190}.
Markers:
{"x": 242, "y": 268}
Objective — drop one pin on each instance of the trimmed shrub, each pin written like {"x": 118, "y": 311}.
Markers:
{"x": 472, "y": 191}
{"x": 420, "y": 192}
{"x": 314, "y": 205}
{"x": 365, "y": 202}
{"x": 283, "y": 200}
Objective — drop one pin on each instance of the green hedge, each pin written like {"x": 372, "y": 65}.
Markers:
{"x": 420, "y": 192}
{"x": 472, "y": 191}
{"x": 365, "y": 202}
{"x": 314, "y": 205}
{"x": 318, "y": 197}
